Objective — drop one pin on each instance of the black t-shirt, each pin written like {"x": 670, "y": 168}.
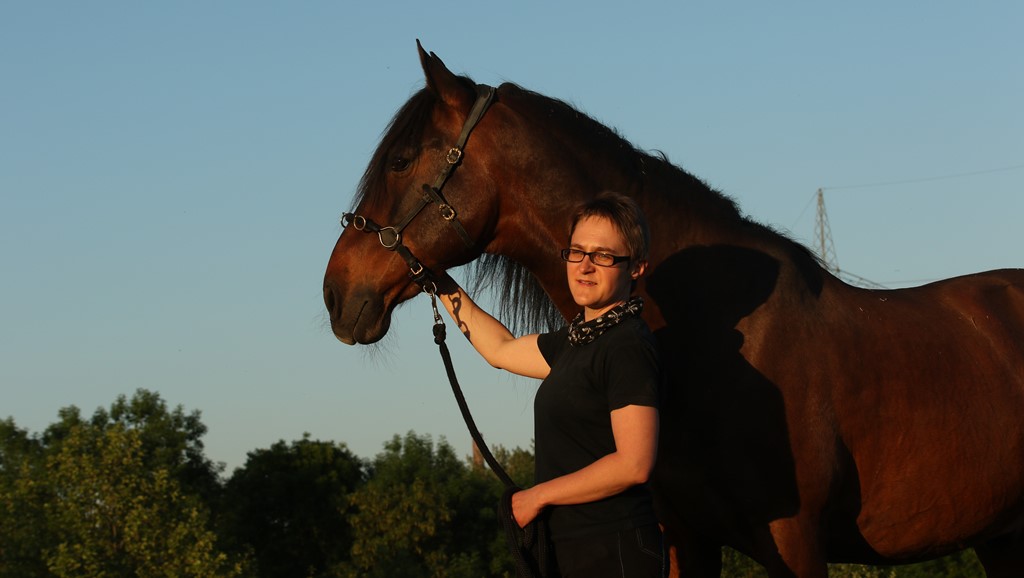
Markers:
{"x": 572, "y": 419}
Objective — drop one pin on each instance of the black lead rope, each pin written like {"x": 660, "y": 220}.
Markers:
{"x": 529, "y": 545}
{"x": 439, "y": 337}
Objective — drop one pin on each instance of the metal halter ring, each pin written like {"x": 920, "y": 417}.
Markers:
{"x": 389, "y": 237}
{"x": 447, "y": 212}
{"x": 454, "y": 154}
{"x": 357, "y": 221}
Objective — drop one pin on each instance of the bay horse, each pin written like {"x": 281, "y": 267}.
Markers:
{"x": 807, "y": 421}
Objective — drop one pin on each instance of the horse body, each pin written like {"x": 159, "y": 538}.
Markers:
{"x": 931, "y": 390}
{"x": 806, "y": 420}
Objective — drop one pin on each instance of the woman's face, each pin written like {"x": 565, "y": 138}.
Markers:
{"x": 598, "y": 289}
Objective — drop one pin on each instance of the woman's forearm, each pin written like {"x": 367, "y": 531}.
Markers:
{"x": 486, "y": 333}
{"x": 492, "y": 340}
{"x": 608, "y": 476}
{"x": 636, "y": 439}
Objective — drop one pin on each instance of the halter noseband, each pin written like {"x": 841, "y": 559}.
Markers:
{"x": 391, "y": 236}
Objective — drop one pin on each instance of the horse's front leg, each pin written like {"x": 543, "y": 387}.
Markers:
{"x": 791, "y": 548}
{"x": 692, "y": 556}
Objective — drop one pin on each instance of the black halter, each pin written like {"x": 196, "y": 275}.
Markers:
{"x": 391, "y": 236}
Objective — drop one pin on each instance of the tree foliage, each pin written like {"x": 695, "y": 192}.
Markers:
{"x": 23, "y": 529}
{"x": 289, "y": 505}
{"x": 114, "y": 516}
{"x": 129, "y": 492}
{"x": 171, "y": 439}
{"x": 423, "y": 513}
{"x": 122, "y": 494}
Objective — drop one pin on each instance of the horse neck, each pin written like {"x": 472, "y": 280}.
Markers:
{"x": 681, "y": 209}
{"x": 565, "y": 157}
{"x": 534, "y": 222}
{"x": 684, "y": 211}
{"x": 561, "y": 168}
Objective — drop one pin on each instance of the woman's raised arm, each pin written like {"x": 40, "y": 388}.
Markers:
{"x": 497, "y": 345}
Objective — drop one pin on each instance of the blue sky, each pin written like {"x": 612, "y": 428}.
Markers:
{"x": 171, "y": 177}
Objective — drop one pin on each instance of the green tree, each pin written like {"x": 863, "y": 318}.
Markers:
{"x": 171, "y": 439}
{"x": 113, "y": 515}
{"x": 124, "y": 493}
{"x": 23, "y": 530}
{"x": 519, "y": 464}
{"x": 289, "y": 504}
{"x": 423, "y": 513}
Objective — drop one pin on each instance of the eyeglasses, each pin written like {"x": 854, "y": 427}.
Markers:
{"x": 596, "y": 257}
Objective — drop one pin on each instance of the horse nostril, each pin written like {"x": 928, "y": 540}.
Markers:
{"x": 329, "y": 300}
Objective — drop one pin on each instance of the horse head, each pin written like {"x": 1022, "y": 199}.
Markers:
{"x": 421, "y": 200}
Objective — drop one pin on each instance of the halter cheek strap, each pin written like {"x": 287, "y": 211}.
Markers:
{"x": 391, "y": 236}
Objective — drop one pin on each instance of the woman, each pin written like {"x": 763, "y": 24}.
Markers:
{"x": 596, "y": 412}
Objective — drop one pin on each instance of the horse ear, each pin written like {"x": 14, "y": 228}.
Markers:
{"x": 442, "y": 81}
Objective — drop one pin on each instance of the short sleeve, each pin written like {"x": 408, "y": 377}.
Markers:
{"x": 634, "y": 372}
{"x": 552, "y": 344}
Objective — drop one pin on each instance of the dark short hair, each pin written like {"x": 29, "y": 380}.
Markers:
{"x": 625, "y": 214}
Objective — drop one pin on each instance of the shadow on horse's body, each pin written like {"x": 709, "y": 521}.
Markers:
{"x": 862, "y": 424}
{"x": 806, "y": 420}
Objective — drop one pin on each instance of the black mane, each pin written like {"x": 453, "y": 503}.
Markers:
{"x": 405, "y": 127}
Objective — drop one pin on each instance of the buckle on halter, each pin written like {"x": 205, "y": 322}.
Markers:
{"x": 447, "y": 212}
{"x": 454, "y": 154}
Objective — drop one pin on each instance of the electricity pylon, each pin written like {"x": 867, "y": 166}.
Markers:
{"x": 823, "y": 234}
{"x": 827, "y": 249}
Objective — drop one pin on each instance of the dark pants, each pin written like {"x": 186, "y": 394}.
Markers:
{"x": 636, "y": 553}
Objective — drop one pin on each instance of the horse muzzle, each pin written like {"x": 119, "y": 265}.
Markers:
{"x": 358, "y": 318}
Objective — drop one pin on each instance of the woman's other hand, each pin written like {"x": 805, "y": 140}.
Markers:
{"x": 525, "y": 507}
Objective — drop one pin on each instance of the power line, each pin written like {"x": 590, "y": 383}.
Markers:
{"x": 901, "y": 182}
{"x": 927, "y": 179}
{"x": 827, "y": 252}
{"x": 823, "y": 231}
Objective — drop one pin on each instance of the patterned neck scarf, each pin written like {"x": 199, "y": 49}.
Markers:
{"x": 583, "y": 332}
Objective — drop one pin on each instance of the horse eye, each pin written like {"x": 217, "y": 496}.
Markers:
{"x": 399, "y": 164}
